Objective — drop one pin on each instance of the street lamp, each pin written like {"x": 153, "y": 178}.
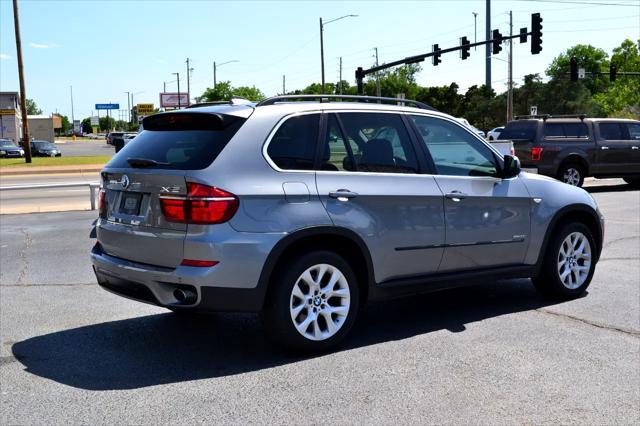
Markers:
{"x": 177, "y": 74}
{"x": 322, "y": 42}
{"x": 475, "y": 28}
{"x": 215, "y": 66}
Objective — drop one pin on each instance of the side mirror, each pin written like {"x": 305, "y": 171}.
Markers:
{"x": 511, "y": 167}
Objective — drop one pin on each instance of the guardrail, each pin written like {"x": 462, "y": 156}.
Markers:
{"x": 93, "y": 186}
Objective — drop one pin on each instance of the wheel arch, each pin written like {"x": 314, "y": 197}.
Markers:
{"x": 580, "y": 213}
{"x": 575, "y": 157}
{"x": 343, "y": 241}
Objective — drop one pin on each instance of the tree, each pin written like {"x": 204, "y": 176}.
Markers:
{"x": 224, "y": 92}
{"x": 32, "y": 108}
{"x": 623, "y": 97}
{"x": 86, "y": 125}
{"x": 66, "y": 124}
{"x": 107, "y": 123}
{"x": 590, "y": 58}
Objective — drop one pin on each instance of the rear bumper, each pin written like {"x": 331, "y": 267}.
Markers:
{"x": 156, "y": 286}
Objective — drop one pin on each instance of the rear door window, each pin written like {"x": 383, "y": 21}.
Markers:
{"x": 610, "y": 131}
{"x": 293, "y": 146}
{"x": 634, "y": 131}
{"x": 181, "y": 141}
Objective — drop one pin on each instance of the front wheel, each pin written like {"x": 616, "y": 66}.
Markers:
{"x": 568, "y": 263}
{"x": 313, "y": 303}
{"x": 571, "y": 174}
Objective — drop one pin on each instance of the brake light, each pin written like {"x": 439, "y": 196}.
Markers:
{"x": 203, "y": 204}
{"x": 536, "y": 153}
{"x": 102, "y": 204}
{"x": 199, "y": 263}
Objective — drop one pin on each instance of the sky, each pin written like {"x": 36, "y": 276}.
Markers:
{"x": 105, "y": 48}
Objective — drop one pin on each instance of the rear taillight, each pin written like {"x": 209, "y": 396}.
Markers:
{"x": 536, "y": 153}
{"x": 102, "y": 203}
{"x": 203, "y": 204}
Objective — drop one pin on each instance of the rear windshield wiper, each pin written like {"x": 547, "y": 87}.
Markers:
{"x": 145, "y": 162}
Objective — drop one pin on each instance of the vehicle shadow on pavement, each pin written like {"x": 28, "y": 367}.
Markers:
{"x": 609, "y": 188}
{"x": 170, "y": 348}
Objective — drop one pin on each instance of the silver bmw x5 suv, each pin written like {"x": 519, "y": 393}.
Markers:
{"x": 303, "y": 208}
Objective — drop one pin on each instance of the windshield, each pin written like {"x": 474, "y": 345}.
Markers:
{"x": 7, "y": 144}
{"x": 43, "y": 144}
{"x": 519, "y": 130}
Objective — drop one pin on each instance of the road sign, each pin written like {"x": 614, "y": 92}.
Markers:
{"x": 144, "y": 109}
{"x": 107, "y": 106}
{"x": 534, "y": 110}
{"x": 581, "y": 72}
{"x": 171, "y": 100}
{"x": 95, "y": 120}
{"x": 7, "y": 112}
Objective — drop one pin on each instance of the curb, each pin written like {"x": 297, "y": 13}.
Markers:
{"x": 51, "y": 170}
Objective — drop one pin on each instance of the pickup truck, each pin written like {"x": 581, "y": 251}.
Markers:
{"x": 572, "y": 148}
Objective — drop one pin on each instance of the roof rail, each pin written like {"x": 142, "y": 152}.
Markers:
{"x": 235, "y": 100}
{"x": 328, "y": 98}
{"x": 547, "y": 116}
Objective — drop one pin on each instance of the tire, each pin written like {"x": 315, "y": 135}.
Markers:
{"x": 300, "y": 314}
{"x": 634, "y": 182}
{"x": 571, "y": 174}
{"x": 566, "y": 273}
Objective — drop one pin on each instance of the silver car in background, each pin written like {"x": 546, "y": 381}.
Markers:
{"x": 304, "y": 208}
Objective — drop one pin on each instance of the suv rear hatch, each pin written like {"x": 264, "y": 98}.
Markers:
{"x": 151, "y": 171}
{"x": 523, "y": 135}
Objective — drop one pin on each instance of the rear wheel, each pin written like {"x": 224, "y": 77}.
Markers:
{"x": 568, "y": 263}
{"x": 313, "y": 303}
{"x": 571, "y": 174}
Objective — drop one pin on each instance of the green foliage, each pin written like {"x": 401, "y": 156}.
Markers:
{"x": 107, "y": 123}
{"x": 623, "y": 96}
{"x": 32, "y": 108}
{"x": 86, "y": 125}
{"x": 590, "y": 58}
{"x": 224, "y": 92}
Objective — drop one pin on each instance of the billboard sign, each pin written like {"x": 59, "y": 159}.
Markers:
{"x": 95, "y": 120}
{"x": 107, "y": 106}
{"x": 144, "y": 109}
{"x": 170, "y": 100}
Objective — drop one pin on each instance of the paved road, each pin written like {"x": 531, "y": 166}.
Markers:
{"x": 45, "y": 200}
{"x": 492, "y": 354}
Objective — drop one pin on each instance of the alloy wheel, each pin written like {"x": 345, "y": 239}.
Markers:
{"x": 571, "y": 176}
{"x": 574, "y": 260}
{"x": 319, "y": 302}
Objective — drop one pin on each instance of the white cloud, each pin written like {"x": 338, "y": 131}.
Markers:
{"x": 4, "y": 56}
{"x": 43, "y": 45}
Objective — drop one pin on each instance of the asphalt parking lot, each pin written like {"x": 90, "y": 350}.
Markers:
{"x": 496, "y": 353}
{"x": 85, "y": 148}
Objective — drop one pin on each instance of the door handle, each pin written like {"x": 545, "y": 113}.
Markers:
{"x": 604, "y": 147}
{"x": 456, "y": 196}
{"x": 343, "y": 194}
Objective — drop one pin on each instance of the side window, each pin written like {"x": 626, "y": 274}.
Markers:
{"x": 379, "y": 143}
{"x": 610, "y": 131}
{"x": 634, "y": 131}
{"x": 336, "y": 155}
{"x": 454, "y": 150}
{"x": 575, "y": 130}
{"x": 294, "y": 144}
{"x": 554, "y": 130}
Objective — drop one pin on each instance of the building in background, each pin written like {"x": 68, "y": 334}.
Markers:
{"x": 10, "y": 116}
{"x": 41, "y": 128}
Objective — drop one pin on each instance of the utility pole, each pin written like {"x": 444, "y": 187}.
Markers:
{"x": 214, "y": 74}
{"x": 284, "y": 90}
{"x": 378, "y": 91}
{"x": 487, "y": 81}
{"x": 321, "y": 55}
{"x": 23, "y": 94}
{"x": 510, "y": 93}
{"x": 130, "y": 117}
{"x": 188, "y": 84}
{"x": 73, "y": 124}
{"x": 340, "y": 75}
{"x": 177, "y": 74}
{"x": 164, "y": 85}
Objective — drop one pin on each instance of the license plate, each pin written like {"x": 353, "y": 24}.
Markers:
{"x": 130, "y": 203}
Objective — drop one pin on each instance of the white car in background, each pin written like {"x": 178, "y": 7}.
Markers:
{"x": 472, "y": 127}
{"x": 493, "y": 134}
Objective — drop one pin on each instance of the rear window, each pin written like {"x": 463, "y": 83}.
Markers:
{"x": 520, "y": 130}
{"x": 180, "y": 141}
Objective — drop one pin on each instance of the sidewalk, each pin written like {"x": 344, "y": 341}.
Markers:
{"x": 81, "y": 168}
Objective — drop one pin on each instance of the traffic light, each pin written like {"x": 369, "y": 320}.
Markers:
{"x": 436, "y": 55}
{"x": 523, "y": 35}
{"x": 465, "y": 48}
{"x": 536, "y": 33}
{"x": 574, "y": 68}
{"x": 612, "y": 72}
{"x": 497, "y": 42}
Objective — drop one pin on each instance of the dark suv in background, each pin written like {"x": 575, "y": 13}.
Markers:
{"x": 570, "y": 148}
